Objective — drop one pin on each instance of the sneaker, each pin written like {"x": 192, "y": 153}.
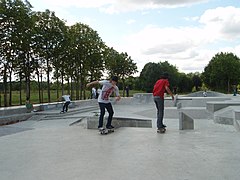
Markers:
{"x": 161, "y": 130}
{"x": 163, "y": 127}
{"x": 110, "y": 127}
{"x": 101, "y": 129}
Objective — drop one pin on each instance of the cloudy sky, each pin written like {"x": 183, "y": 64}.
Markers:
{"x": 186, "y": 33}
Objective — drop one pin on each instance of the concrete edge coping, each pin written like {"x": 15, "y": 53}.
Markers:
{"x": 236, "y": 119}
{"x": 223, "y": 102}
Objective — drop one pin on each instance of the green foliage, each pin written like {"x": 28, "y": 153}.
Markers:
{"x": 185, "y": 83}
{"x": 149, "y": 75}
{"x": 222, "y": 72}
{"x": 38, "y": 44}
{"x": 153, "y": 71}
{"x": 197, "y": 81}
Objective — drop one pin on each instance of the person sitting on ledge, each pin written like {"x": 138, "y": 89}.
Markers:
{"x": 29, "y": 106}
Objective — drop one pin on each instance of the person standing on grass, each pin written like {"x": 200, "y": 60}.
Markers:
{"x": 108, "y": 87}
{"x": 159, "y": 89}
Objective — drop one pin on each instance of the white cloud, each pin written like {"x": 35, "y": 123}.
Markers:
{"x": 186, "y": 47}
{"x": 116, "y": 6}
{"x": 195, "y": 18}
{"x": 226, "y": 20}
{"x": 133, "y": 5}
{"x": 77, "y": 3}
{"x": 131, "y": 21}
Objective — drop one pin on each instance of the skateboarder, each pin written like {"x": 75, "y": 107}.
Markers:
{"x": 108, "y": 87}
{"x": 67, "y": 100}
{"x": 159, "y": 89}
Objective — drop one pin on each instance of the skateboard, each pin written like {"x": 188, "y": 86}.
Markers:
{"x": 161, "y": 130}
{"x": 105, "y": 131}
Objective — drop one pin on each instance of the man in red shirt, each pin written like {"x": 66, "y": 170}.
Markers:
{"x": 159, "y": 89}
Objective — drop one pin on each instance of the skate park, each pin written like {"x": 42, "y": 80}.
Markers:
{"x": 202, "y": 140}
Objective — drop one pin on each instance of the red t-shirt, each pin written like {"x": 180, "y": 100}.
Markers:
{"x": 159, "y": 87}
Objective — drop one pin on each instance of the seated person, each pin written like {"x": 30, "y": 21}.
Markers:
{"x": 29, "y": 106}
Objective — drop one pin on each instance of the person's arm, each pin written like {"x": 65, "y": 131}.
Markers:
{"x": 169, "y": 92}
{"x": 118, "y": 98}
{"x": 92, "y": 83}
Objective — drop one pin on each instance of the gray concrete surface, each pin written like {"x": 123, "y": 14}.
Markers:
{"x": 60, "y": 149}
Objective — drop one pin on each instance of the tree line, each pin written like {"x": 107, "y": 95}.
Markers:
{"x": 38, "y": 44}
{"x": 39, "y": 51}
{"x": 222, "y": 74}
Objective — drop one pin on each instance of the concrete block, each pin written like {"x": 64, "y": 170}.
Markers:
{"x": 92, "y": 122}
{"x": 185, "y": 122}
{"x": 216, "y": 105}
{"x": 236, "y": 120}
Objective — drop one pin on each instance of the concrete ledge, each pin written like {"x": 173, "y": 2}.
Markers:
{"x": 228, "y": 116}
{"x": 92, "y": 122}
{"x": 216, "y": 105}
{"x": 199, "y": 101}
{"x": 194, "y": 112}
{"x": 185, "y": 122}
{"x": 4, "y": 120}
{"x": 6, "y": 111}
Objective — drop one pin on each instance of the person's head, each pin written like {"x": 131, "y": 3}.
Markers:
{"x": 164, "y": 75}
{"x": 114, "y": 80}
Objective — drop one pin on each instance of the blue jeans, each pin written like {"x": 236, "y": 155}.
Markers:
{"x": 65, "y": 106}
{"x": 160, "y": 110}
{"x": 109, "y": 108}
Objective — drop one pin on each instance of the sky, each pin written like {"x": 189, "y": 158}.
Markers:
{"x": 186, "y": 33}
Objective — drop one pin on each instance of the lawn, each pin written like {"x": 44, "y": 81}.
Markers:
{"x": 34, "y": 96}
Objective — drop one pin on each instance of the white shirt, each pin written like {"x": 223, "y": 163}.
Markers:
{"x": 106, "y": 92}
{"x": 66, "y": 98}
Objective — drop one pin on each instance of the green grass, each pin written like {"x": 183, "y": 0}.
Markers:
{"x": 34, "y": 96}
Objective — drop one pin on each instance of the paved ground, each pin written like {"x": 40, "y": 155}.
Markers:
{"x": 53, "y": 150}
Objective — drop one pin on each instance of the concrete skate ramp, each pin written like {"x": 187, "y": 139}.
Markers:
{"x": 208, "y": 93}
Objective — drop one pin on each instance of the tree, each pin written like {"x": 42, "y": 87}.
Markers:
{"x": 149, "y": 75}
{"x": 222, "y": 71}
{"x": 185, "y": 83}
{"x": 120, "y": 65}
{"x": 16, "y": 25}
{"x": 49, "y": 35}
{"x": 197, "y": 81}
{"x": 153, "y": 71}
{"x": 86, "y": 54}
